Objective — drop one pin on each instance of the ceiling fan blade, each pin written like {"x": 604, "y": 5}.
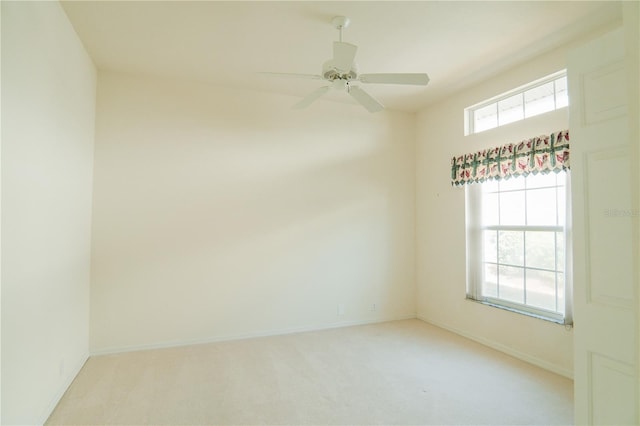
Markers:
{"x": 365, "y": 99}
{"x": 415, "y": 79}
{"x": 311, "y": 97}
{"x": 343, "y": 55}
{"x": 292, "y": 75}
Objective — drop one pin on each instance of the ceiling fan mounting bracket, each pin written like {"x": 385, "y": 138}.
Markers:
{"x": 341, "y": 22}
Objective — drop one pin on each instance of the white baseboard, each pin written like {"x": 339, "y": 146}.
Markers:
{"x": 502, "y": 348}
{"x": 266, "y": 333}
{"x": 63, "y": 387}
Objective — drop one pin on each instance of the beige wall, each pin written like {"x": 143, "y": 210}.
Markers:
{"x": 222, "y": 213}
{"x": 441, "y": 223}
{"x": 48, "y": 107}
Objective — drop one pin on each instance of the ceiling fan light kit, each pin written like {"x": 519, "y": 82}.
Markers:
{"x": 341, "y": 72}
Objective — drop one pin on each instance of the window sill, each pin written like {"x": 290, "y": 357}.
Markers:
{"x": 522, "y": 312}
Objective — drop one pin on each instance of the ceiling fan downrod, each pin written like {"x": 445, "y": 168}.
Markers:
{"x": 340, "y": 22}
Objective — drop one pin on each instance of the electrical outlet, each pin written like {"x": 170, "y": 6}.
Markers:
{"x": 340, "y": 309}
{"x": 373, "y": 307}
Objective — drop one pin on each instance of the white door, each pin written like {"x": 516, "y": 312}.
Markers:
{"x": 605, "y": 221}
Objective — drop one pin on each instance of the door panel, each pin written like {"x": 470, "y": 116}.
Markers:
{"x": 604, "y": 205}
{"x": 610, "y": 278}
{"x": 611, "y": 408}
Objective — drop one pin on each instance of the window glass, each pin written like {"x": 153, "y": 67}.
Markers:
{"x": 522, "y": 259}
{"x": 490, "y": 287}
{"x": 512, "y": 208}
{"x": 560, "y": 251}
{"x": 560, "y": 200}
{"x": 490, "y": 186}
{"x": 510, "y": 109}
{"x": 485, "y": 118}
{"x": 490, "y": 246}
{"x": 560, "y": 304}
{"x": 538, "y": 97}
{"x": 541, "y": 206}
{"x": 540, "y": 249}
{"x": 490, "y": 209}
{"x": 511, "y": 247}
{"x": 539, "y": 100}
{"x": 562, "y": 94}
{"x": 541, "y": 180}
{"x": 511, "y": 284}
{"x": 541, "y": 289}
{"x": 511, "y": 184}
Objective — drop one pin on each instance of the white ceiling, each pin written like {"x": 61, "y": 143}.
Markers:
{"x": 229, "y": 43}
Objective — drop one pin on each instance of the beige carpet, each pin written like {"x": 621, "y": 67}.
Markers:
{"x": 403, "y": 372}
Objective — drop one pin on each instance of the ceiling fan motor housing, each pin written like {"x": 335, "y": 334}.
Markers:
{"x": 331, "y": 73}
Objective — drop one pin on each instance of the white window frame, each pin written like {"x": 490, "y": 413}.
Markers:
{"x": 475, "y": 256}
{"x": 470, "y": 111}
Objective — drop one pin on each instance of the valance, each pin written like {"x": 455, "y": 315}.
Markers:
{"x": 542, "y": 154}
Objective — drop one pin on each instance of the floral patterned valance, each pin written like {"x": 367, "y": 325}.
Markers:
{"x": 542, "y": 154}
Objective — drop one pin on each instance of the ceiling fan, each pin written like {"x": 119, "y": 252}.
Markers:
{"x": 341, "y": 73}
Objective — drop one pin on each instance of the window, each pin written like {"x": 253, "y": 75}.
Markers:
{"x": 516, "y": 230}
{"x": 538, "y": 97}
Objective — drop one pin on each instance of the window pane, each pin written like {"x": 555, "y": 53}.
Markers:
{"x": 512, "y": 208}
{"x": 560, "y": 250}
{"x": 540, "y": 250}
{"x": 490, "y": 209}
{"x": 527, "y": 101}
{"x": 490, "y": 285}
{"x": 511, "y": 247}
{"x": 510, "y": 109}
{"x": 511, "y": 284}
{"x": 541, "y": 206}
{"x": 485, "y": 118}
{"x": 490, "y": 246}
{"x": 541, "y": 289}
{"x": 541, "y": 180}
{"x": 539, "y": 100}
{"x": 562, "y": 204}
{"x": 512, "y": 183}
{"x": 490, "y": 186}
{"x": 562, "y": 95}
{"x": 561, "y": 301}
